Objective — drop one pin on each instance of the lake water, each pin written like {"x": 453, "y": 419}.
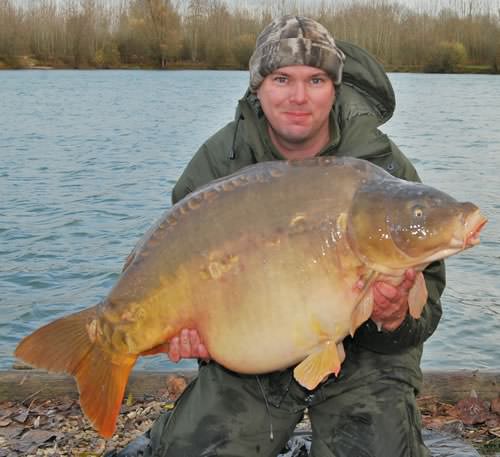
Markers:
{"x": 88, "y": 160}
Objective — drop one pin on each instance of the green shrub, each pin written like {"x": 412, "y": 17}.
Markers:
{"x": 108, "y": 56}
{"x": 446, "y": 57}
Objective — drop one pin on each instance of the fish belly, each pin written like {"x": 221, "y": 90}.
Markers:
{"x": 275, "y": 305}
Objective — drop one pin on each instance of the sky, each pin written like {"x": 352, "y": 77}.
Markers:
{"x": 278, "y": 6}
{"x": 431, "y": 5}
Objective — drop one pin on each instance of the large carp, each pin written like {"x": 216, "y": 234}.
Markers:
{"x": 272, "y": 265}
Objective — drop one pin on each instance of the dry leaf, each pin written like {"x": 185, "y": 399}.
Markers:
{"x": 38, "y": 436}
{"x": 65, "y": 406}
{"x": 175, "y": 385}
{"x": 21, "y": 418}
{"x": 428, "y": 404}
{"x": 12, "y": 431}
{"x": 495, "y": 405}
{"x": 130, "y": 400}
{"x": 472, "y": 410}
{"x": 453, "y": 427}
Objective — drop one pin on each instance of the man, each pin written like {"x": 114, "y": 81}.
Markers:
{"x": 308, "y": 96}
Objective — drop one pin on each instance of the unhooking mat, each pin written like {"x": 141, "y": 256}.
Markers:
{"x": 440, "y": 445}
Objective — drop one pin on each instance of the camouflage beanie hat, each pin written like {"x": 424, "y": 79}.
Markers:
{"x": 295, "y": 40}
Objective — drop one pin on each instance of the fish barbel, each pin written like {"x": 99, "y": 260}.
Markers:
{"x": 273, "y": 266}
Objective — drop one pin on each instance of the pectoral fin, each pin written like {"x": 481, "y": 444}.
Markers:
{"x": 362, "y": 312}
{"x": 417, "y": 298}
{"x": 312, "y": 370}
{"x": 364, "y": 307}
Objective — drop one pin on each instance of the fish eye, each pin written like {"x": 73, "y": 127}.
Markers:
{"x": 418, "y": 212}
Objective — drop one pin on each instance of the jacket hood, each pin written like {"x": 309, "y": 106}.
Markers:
{"x": 366, "y": 75}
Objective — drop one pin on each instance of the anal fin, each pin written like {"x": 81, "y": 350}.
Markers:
{"x": 315, "y": 367}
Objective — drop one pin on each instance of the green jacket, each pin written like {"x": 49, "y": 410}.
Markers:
{"x": 364, "y": 101}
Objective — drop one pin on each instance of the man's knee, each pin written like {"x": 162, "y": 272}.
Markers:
{"x": 221, "y": 413}
{"x": 376, "y": 420}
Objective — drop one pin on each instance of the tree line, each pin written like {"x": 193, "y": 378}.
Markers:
{"x": 459, "y": 35}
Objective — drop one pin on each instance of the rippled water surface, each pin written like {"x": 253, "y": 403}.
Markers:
{"x": 88, "y": 160}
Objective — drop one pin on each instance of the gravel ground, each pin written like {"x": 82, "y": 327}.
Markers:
{"x": 56, "y": 427}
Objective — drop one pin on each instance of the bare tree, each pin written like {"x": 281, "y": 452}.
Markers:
{"x": 195, "y": 20}
{"x": 209, "y": 32}
{"x": 12, "y": 44}
{"x": 165, "y": 24}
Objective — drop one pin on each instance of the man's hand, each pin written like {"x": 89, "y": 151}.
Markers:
{"x": 391, "y": 302}
{"x": 187, "y": 345}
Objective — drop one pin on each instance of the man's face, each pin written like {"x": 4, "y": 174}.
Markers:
{"x": 297, "y": 101}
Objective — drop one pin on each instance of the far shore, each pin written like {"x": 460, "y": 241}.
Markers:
{"x": 27, "y": 63}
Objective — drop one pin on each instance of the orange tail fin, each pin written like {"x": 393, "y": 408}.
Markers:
{"x": 65, "y": 346}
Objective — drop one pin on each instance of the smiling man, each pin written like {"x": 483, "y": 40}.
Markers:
{"x": 297, "y": 101}
{"x": 308, "y": 96}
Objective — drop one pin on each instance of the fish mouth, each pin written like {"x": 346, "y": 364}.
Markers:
{"x": 473, "y": 226}
{"x": 465, "y": 238}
